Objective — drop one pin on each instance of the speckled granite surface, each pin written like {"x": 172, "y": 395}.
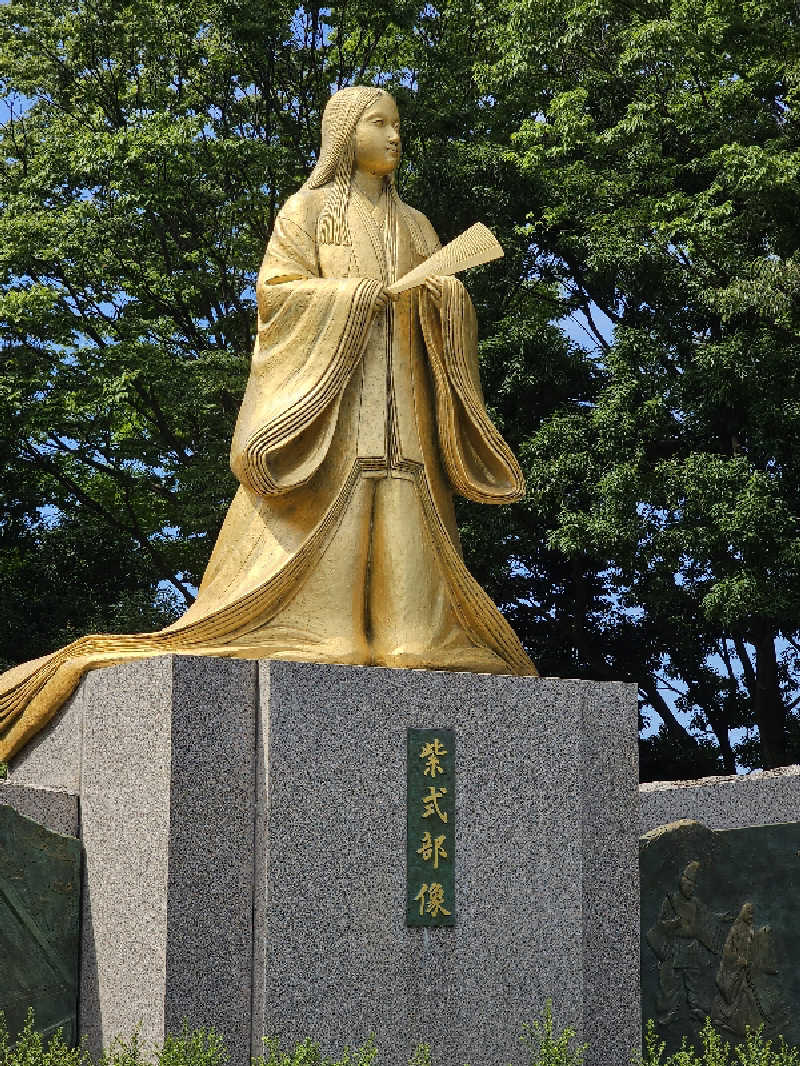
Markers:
{"x": 162, "y": 753}
{"x": 546, "y": 860}
{"x": 52, "y": 808}
{"x": 244, "y": 827}
{"x": 763, "y": 798}
{"x": 53, "y": 757}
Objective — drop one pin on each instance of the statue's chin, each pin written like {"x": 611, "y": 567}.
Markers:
{"x": 380, "y": 168}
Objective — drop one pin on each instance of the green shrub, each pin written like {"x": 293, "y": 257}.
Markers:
{"x": 204, "y": 1047}
{"x": 32, "y": 1049}
{"x": 715, "y": 1050}
{"x": 544, "y": 1049}
{"x": 421, "y": 1056}
{"x": 125, "y": 1052}
{"x": 200, "y": 1047}
{"x": 308, "y": 1054}
{"x": 3, "y": 770}
{"x": 757, "y": 1052}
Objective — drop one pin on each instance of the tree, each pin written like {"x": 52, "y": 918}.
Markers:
{"x": 662, "y": 142}
{"x": 146, "y": 152}
{"x": 638, "y": 161}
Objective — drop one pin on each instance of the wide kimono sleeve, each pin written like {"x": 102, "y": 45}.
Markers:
{"x": 478, "y": 462}
{"x": 311, "y": 334}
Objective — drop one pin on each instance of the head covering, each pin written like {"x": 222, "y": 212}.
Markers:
{"x": 337, "y": 158}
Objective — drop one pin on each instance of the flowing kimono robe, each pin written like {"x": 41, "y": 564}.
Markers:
{"x": 356, "y": 426}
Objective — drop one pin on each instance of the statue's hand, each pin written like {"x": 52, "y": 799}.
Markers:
{"x": 382, "y": 301}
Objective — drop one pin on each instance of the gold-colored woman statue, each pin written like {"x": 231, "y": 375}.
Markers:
{"x": 362, "y": 415}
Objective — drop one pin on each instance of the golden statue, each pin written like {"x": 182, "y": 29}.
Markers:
{"x": 362, "y": 415}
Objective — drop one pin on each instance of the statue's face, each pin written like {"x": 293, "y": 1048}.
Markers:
{"x": 378, "y": 137}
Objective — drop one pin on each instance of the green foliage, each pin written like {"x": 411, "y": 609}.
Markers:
{"x": 204, "y": 1047}
{"x": 545, "y": 1049}
{"x": 31, "y": 1048}
{"x": 308, "y": 1053}
{"x": 3, "y": 771}
{"x": 715, "y": 1051}
{"x": 138, "y": 187}
{"x": 126, "y": 1052}
{"x": 198, "y": 1047}
{"x": 660, "y": 142}
{"x": 640, "y": 339}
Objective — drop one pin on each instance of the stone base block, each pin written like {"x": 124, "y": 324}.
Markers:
{"x": 52, "y": 808}
{"x": 766, "y": 797}
{"x": 245, "y": 824}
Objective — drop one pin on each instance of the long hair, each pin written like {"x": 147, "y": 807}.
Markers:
{"x": 337, "y": 160}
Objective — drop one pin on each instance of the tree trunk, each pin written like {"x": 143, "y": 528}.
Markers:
{"x": 682, "y": 737}
{"x": 768, "y": 704}
{"x": 720, "y": 728}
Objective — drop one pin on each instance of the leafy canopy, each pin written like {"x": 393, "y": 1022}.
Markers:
{"x": 639, "y": 162}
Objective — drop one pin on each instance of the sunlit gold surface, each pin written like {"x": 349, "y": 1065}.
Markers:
{"x": 361, "y": 417}
{"x": 471, "y": 248}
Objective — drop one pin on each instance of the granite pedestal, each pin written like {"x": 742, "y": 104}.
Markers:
{"x": 766, "y": 797}
{"x": 244, "y": 829}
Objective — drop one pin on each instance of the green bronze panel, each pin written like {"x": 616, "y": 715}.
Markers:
{"x": 39, "y": 924}
{"x": 720, "y": 930}
{"x": 431, "y": 840}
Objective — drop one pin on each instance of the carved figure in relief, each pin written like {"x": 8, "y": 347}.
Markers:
{"x": 362, "y": 416}
{"x": 687, "y": 940}
{"x": 745, "y": 997}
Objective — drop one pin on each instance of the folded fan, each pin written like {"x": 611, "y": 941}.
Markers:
{"x": 474, "y": 246}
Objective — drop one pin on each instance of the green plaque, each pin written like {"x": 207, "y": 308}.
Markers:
{"x": 39, "y": 918}
{"x": 431, "y": 841}
{"x": 720, "y": 931}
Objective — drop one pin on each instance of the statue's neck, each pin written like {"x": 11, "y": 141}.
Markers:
{"x": 371, "y": 185}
